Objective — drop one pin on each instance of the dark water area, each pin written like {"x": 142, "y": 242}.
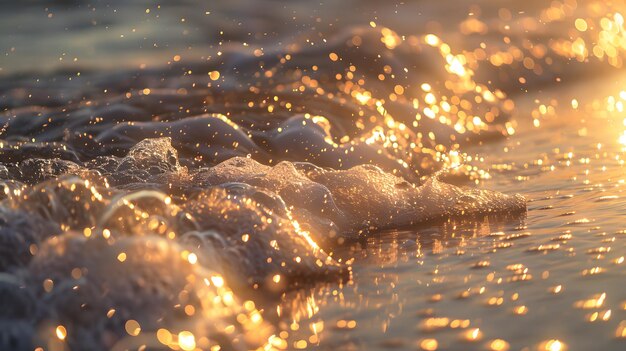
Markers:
{"x": 351, "y": 175}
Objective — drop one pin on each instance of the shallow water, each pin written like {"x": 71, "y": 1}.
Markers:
{"x": 220, "y": 176}
{"x": 555, "y": 274}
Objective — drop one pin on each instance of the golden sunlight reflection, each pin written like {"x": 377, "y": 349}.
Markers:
{"x": 416, "y": 175}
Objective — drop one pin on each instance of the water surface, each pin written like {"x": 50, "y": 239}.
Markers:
{"x": 352, "y": 175}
